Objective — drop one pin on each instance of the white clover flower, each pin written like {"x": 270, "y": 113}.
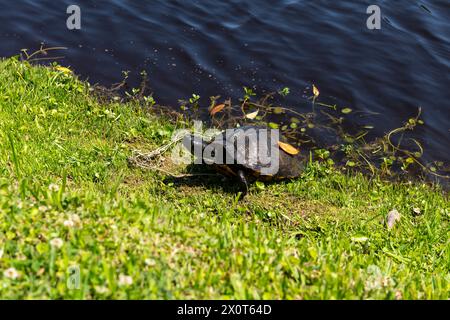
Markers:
{"x": 150, "y": 262}
{"x": 53, "y": 187}
{"x": 75, "y": 218}
{"x": 1, "y": 253}
{"x": 21, "y": 257}
{"x": 125, "y": 280}
{"x": 11, "y": 273}
{"x": 42, "y": 208}
{"x": 57, "y": 243}
{"x": 69, "y": 224}
{"x": 101, "y": 289}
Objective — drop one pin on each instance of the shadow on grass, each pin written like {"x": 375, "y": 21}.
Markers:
{"x": 203, "y": 176}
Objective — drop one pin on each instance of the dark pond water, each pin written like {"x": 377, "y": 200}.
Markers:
{"x": 213, "y": 47}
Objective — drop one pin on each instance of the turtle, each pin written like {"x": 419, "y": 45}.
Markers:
{"x": 247, "y": 154}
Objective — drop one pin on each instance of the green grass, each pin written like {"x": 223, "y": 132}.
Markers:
{"x": 64, "y": 175}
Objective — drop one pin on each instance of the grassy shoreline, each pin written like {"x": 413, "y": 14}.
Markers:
{"x": 69, "y": 198}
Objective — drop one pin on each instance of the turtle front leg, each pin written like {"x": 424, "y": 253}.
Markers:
{"x": 243, "y": 180}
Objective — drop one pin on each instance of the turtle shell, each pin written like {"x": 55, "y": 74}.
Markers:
{"x": 255, "y": 150}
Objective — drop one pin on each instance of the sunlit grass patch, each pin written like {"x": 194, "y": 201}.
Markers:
{"x": 68, "y": 197}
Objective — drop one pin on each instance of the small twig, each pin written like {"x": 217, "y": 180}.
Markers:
{"x": 151, "y": 160}
{"x": 47, "y": 58}
{"x": 43, "y": 51}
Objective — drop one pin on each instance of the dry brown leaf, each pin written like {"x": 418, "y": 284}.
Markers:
{"x": 286, "y": 147}
{"x": 316, "y": 91}
{"x": 216, "y": 109}
{"x": 252, "y": 115}
{"x": 392, "y": 218}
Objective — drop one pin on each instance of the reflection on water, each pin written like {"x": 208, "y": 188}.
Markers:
{"x": 217, "y": 47}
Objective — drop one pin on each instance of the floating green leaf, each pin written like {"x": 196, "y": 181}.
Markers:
{"x": 284, "y": 92}
{"x": 346, "y": 111}
{"x": 278, "y": 110}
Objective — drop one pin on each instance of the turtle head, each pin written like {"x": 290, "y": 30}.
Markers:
{"x": 194, "y": 144}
